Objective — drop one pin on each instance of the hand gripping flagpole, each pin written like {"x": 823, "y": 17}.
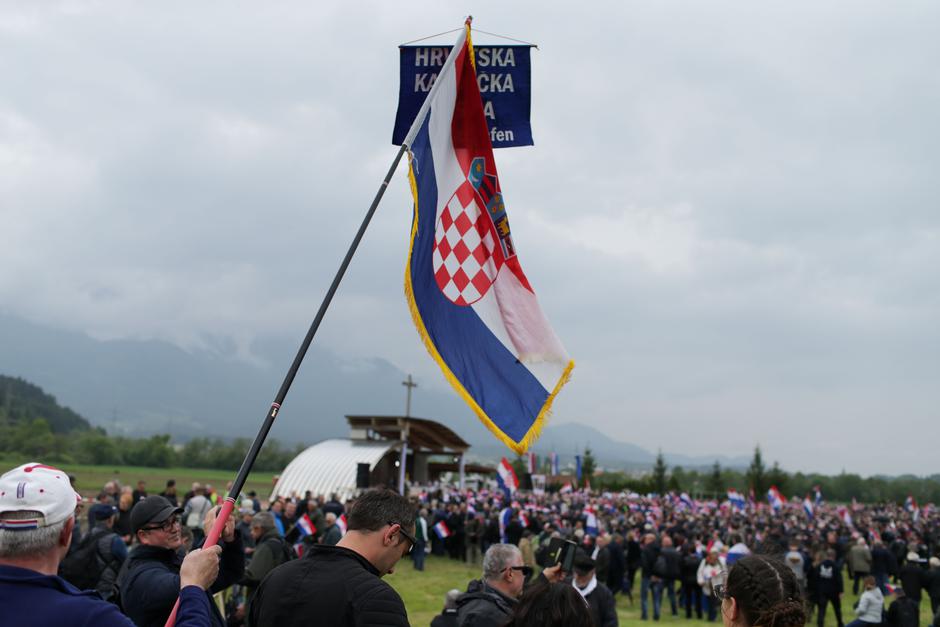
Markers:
{"x": 212, "y": 538}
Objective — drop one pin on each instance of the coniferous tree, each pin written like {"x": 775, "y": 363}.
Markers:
{"x": 659, "y": 474}
{"x": 757, "y": 474}
{"x": 714, "y": 480}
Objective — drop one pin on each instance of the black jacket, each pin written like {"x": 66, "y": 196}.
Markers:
{"x": 883, "y": 562}
{"x": 903, "y": 612}
{"x": 603, "y": 607}
{"x": 673, "y": 563}
{"x": 828, "y": 580}
{"x": 648, "y": 556}
{"x": 150, "y": 584}
{"x": 331, "y": 585}
{"x": 447, "y": 618}
{"x": 913, "y": 578}
{"x": 483, "y": 606}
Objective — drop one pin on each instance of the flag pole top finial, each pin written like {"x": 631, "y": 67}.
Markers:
{"x": 469, "y": 20}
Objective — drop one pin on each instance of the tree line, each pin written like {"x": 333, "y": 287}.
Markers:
{"x": 36, "y": 440}
{"x": 716, "y": 481}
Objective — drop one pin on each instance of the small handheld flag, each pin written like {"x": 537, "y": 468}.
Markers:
{"x": 306, "y": 526}
{"x": 442, "y": 530}
{"x": 341, "y": 523}
{"x": 504, "y": 517}
{"x": 590, "y": 521}
{"x": 808, "y": 507}
{"x": 506, "y": 477}
{"x": 472, "y": 304}
{"x": 775, "y": 498}
{"x": 736, "y": 499}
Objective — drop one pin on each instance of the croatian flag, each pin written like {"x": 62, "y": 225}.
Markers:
{"x": 472, "y": 304}
{"x": 442, "y": 530}
{"x": 524, "y": 520}
{"x": 775, "y": 498}
{"x": 846, "y": 516}
{"x": 504, "y": 518}
{"x": 590, "y": 521}
{"x": 684, "y": 499}
{"x": 736, "y": 499}
{"x": 306, "y": 526}
{"x": 554, "y": 457}
{"x": 911, "y": 506}
{"x": 532, "y": 463}
{"x": 506, "y": 477}
{"x": 808, "y": 507}
{"x": 566, "y": 489}
{"x": 341, "y": 523}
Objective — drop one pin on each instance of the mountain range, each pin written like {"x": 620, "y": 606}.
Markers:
{"x": 141, "y": 387}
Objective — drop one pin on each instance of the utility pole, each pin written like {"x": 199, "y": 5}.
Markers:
{"x": 408, "y": 384}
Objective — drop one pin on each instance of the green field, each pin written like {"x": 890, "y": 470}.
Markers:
{"x": 423, "y": 593}
{"x": 90, "y": 479}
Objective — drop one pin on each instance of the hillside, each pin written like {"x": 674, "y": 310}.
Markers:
{"x": 22, "y": 402}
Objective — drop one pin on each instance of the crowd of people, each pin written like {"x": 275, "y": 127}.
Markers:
{"x": 775, "y": 565}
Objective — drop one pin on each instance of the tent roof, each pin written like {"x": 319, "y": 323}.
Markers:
{"x": 424, "y": 435}
{"x": 330, "y": 466}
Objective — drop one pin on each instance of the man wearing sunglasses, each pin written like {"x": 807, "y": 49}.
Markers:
{"x": 342, "y": 584}
{"x": 149, "y": 586}
{"x": 489, "y": 602}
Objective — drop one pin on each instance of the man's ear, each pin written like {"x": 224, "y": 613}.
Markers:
{"x": 65, "y": 537}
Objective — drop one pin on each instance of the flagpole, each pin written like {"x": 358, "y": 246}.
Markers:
{"x": 212, "y": 537}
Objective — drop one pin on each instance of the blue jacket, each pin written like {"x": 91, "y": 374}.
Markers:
{"x": 31, "y": 598}
{"x": 151, "y": 584}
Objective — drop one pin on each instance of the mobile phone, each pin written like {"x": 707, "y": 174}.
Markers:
{"x": 561, "y": 551}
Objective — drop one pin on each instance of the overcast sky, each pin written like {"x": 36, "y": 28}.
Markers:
{"x": 731, "y": 213}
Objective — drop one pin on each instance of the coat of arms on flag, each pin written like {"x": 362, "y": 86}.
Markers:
{"x": 471, "y": 302}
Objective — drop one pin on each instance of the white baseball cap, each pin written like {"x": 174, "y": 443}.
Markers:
{"x": 38, "y": 488}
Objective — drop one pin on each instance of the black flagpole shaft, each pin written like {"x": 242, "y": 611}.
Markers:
{"x": 301, "y": 353}
{"x": 243, "y": 472}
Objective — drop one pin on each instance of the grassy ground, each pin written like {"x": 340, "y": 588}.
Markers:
{"x": 423, "y": 593}
{"x": 90, "y": 479}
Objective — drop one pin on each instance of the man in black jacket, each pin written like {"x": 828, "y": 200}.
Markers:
{"x": 650, "y": 582}
{"x": 903, "y": 611}
{"x": 828, "y": 588}
{"x": 150, "y": 582}
{"x": 342, "y": 584}
{"x": 598, "y": 597}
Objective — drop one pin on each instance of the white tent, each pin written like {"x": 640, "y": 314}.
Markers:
{"x": 329, "y": 467}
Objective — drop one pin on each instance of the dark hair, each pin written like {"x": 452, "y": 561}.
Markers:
{"x": 374, "y": 509}
{"x": 767, "y": 592}
{"x": 551, "y": 605}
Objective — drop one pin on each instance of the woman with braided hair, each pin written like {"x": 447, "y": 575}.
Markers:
{"x": 760, "y": 591}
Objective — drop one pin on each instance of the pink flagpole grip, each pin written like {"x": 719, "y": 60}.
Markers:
{"x": 211, "y": 540}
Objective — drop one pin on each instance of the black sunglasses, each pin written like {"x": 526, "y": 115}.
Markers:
{"x": 412, "y": 541}
{"x": 167, "y": 525}
{"x": 525, "y": 570}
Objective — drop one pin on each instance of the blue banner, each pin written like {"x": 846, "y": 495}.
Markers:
{"x": 505, "y": 79}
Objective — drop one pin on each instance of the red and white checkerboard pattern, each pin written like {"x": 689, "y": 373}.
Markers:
{"x": 464, "y": 262}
